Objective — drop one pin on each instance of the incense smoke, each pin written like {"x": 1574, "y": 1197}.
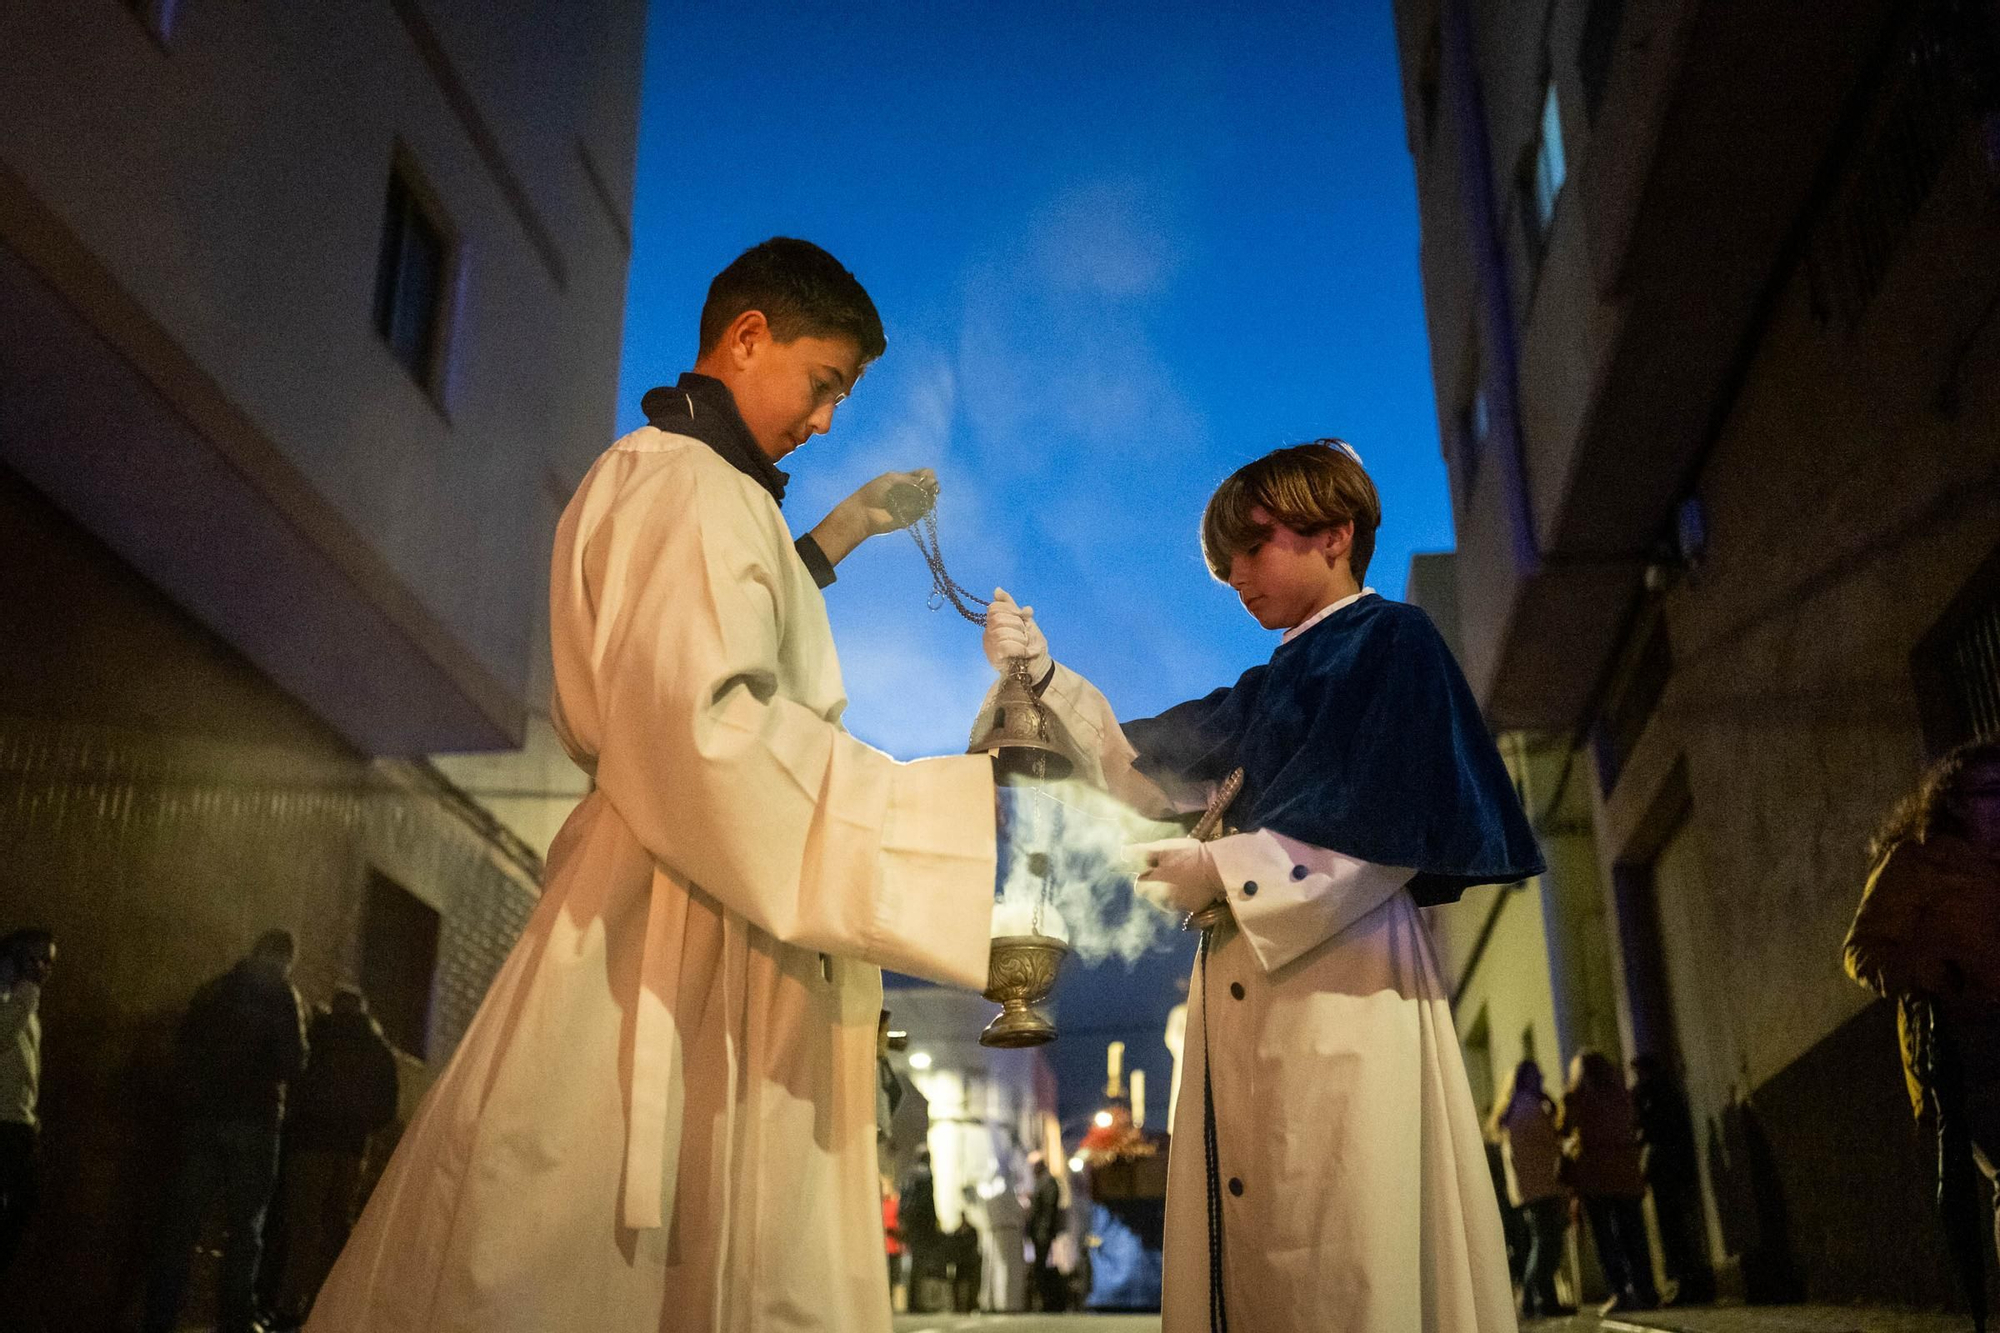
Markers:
{"x": 1062, "y": 852}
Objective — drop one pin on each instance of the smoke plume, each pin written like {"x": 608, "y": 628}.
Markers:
{"x": 1063, "y": 872}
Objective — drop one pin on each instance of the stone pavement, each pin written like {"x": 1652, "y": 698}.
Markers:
{"x": 1763, "y": 1319}
{"x": 1028, "y": 1323}
{"x": 1695, "y": 1319}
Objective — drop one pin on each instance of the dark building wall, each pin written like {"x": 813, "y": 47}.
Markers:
{"x": 1848, "y": 504}
{"x": 1845, "y": 514}
{"x": 1848, "y": 492}
{"x": 160, "y": 805}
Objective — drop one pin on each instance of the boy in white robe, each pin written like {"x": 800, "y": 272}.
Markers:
{"x": 663, "y": 1116}
{"x": 1325, "y": 1122}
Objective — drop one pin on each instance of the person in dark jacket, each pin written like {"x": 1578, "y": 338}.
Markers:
{"x": 347, "y": 1093}
{"x": 1601, "y": 1139}
{"x": 27, "y": 957}
{"x": 1666, "y": 1139}
{"x": 1045, "y": 1223}
{"x": 240, "y": 1043}
{"x": 923, "y": 1239}
{"x": 966, "y": 1257}
{"x": 1927, "y": 935}
{"x": 1523, "y": 1125}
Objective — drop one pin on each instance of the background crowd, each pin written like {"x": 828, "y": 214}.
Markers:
{"x": 1926, "y": 935}
{"x": 281, "y": 1110}
{"x": 276, "y": 1112}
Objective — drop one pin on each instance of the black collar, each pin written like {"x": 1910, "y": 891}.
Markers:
{"x": 702, "y": 407}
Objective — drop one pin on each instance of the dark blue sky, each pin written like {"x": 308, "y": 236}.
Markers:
{"x": 1119, "y": 249}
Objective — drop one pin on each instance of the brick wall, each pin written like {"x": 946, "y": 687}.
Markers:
{"x": 160, "y": 805}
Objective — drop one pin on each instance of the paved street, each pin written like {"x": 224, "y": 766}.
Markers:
{"x": 1720, "y": 1319}
{"x": 1781, "y": 1319}
{"x": 1762, "y": 1319}
{"x": 1028, "y": 1323}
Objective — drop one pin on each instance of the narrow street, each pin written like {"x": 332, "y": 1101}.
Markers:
{"x": 1028, "y": 1323}
{"x": 1706, "y": 1319}
{"x": 1768, "y": 1319}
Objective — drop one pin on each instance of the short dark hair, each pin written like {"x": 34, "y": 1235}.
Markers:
{"x": 276, "y": 943}
{"x": 802, "y": 290}
{"x": 1934, "y": 806}
{"x": 26, "y": 942}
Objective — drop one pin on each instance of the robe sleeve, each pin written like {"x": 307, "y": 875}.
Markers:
{"x": 775, "y": 811}
{"x": 815, "y": 560}
{"x": 1288, "y": 896}
{"x": 1091, "y": 730}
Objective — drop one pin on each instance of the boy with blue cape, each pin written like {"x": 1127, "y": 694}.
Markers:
{"x": 1327, "y": 1170}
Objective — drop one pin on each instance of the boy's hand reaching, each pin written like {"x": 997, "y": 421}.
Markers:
{"x": 872, "y": 500}
{"x": 1176, "y": 874}
{"x": 866, "y": 513}
{"x": 1011, "y": 632}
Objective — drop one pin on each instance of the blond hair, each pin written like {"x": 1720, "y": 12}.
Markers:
{"x": 1308, "y": 488}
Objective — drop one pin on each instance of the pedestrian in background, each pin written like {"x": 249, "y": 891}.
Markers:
{"x": 1667, "y": 1144}
{"x": 917, "y": 1220}
{"x": 1513, "y": 1224}
{"x": 1601, "y": 1141}
{"x": 892, "y": 1243}
{"x": 1005, "y": 1270}
{"x": 242, "y": 1040}
{"x": 888, "y": 1092}
{"x": 1524, "y": 1125}
{"x": 1045, "y": 1224}
{"x": 967, "y": 1248}
{"x": 26, "y": 959}
{"x": 1927, "y": 935}
{"x": 348, "y": 1092}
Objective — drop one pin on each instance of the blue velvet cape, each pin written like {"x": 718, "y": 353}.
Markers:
{"x": 1361, "y": 736}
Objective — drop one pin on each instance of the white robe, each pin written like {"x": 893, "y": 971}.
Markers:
{"x": 663, "y": 1116}
{"x": 1341, "y": 1102}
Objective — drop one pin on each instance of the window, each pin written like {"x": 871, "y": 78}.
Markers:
{"x": 1546, "y": 169}
{"x": 1957, "y": 666}
{"x": 1475, "y": 423}
{"x": 1478, "y": 1047}
{"x": 156, "y": 15}
{"x": 1616, "y": 731}
{"x": 1429, "y": 72}
{"x": 413, "y": 280}
{"x": 1945, "y": 75}
{"x": 1595, "y": 52}
{"x": 398, "y": 960}
{"x": 1973, "y": 667}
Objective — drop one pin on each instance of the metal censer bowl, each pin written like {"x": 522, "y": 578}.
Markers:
{"x": 1020, "y": 973}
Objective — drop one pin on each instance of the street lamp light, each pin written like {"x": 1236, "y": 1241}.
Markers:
{"x": 920, "y": 1059}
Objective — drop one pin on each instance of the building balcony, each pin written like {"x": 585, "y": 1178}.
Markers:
{"x": 1712, "y": 129}
{"x": 320, "y": 359}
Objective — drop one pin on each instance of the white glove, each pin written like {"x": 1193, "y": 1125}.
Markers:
{"x": 1011, "y": 632}
{"x": 1176, "y": 874}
